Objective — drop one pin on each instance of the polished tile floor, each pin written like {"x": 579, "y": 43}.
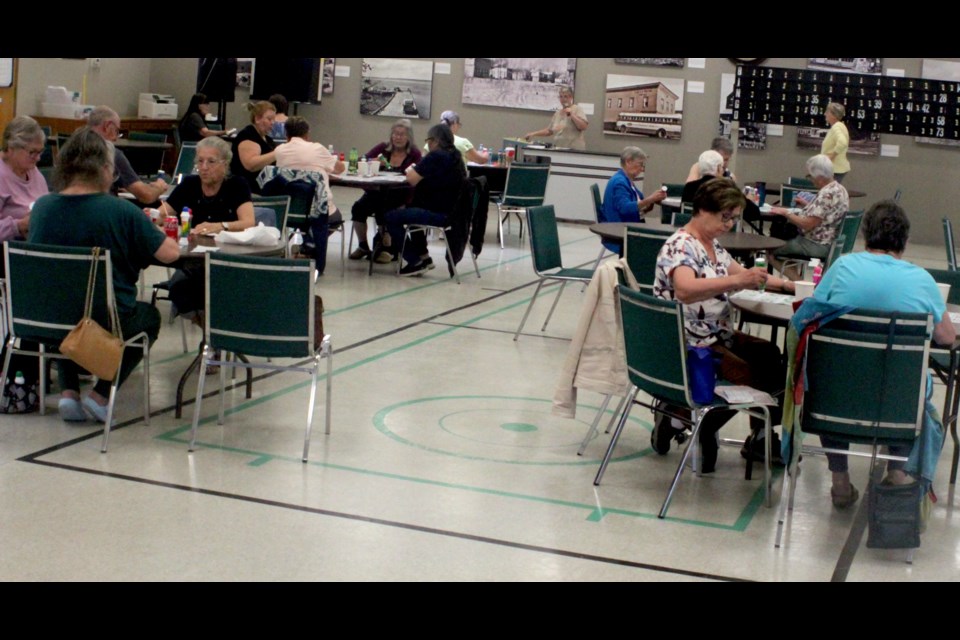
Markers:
{"x": 444, "y": 463}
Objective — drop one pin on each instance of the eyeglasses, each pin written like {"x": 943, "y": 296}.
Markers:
{"x": 207, "y": 163}
{"x": 727, "y": 216}
{"x": 33, "y": 153}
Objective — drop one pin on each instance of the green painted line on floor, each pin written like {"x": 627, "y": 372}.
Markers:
{"x": 262, "y": 460}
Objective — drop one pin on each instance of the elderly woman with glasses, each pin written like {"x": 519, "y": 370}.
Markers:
{"x": 820, "y": 219}
{"x": 218, "y": 201}
{"x": 693, "y": 269}
{"x": 21, "y": 183}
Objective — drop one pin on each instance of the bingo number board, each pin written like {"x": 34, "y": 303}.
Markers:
{"x": 880, "y": 104}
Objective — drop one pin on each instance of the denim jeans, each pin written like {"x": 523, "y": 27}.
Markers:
{"x": 416, "y": 246}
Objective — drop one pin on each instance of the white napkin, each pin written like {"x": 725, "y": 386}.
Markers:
{"x": 260, "y": 235}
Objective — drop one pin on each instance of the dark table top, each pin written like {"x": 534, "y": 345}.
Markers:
{"x": 188, "y": 254}
{"x": 735, "y": 243}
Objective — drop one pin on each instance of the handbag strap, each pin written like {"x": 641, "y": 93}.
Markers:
{"x": 891, "y": 331}
{"x": 91, "y": 286}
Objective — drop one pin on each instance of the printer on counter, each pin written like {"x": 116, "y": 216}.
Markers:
{"x": 157, "y": 105}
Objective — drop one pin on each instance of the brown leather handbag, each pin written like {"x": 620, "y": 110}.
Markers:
{"x": 88, "y": 344}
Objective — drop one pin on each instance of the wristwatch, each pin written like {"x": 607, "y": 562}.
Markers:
{"x": 226, "y": 226}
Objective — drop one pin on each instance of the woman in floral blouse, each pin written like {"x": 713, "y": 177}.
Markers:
{"x": 693, "y": 269}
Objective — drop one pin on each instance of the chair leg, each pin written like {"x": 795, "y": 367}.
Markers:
{"x": 313, "y": 399}
{"x": 500, "y": 226}
{"x": 593, "y": 427}
{"x": 453, "y": 265}
{"x": 473, "y": 257}
{"x": 6, "y": 367}
{"x": 616, "y": 412}
{"x": 183, "y": 333}
{"x": 596, "y": 265}
{"x": 699, "y": 415}
{"x": 329, "y": 356}
{"x": 146, "y": 381}
{"x": 789, "y": 485}
{"x": 221, "y": 396}
{"x": 554, "y": 306}
{"x": 616, "y": 436}
{"x": 43, "y": 378}
{"x": 199, "y": 400}
{"x": 109, "y": 423}
{"x": 527, "y": 312}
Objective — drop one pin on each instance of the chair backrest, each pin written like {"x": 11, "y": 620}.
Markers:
{"x": 46, "y": 287}
{"x": 849, "y": 229}
{"x": 186, "y": 163}
{"x": 301, "y": 197}
{"x": 640, "y": 249}
{"x": 836, "y": 250}
{"x": 273, "y": 314}
{"x": 544, "y": 240}
{"x": 951, "y": 247}
{"x": 675, "y": 189}
{"x": 655, "y": 346}
{"x": 144, "y": 136}
{"x": 800, "y": 183}
{"x": 788, "y": 193}
{"x": 597, "y": 202}
{"x": 279, "y": 204}
{"x": 683, "y": 216}
{"x": 526, "y": 184}
{"x": 858, "y": 388}
{"x": 951, "y": 278}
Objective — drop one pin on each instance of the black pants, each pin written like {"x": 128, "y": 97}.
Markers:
{"x": 143, "y": 318}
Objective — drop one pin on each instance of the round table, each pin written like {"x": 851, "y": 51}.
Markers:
{"x": 738, "y": 244}
{"x": 187, "y": 253}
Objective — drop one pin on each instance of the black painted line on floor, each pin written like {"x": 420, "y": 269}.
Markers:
{"x": 852, "y": 544}
{"x": 401, "y": 525}
{"x": 506, "y": 331}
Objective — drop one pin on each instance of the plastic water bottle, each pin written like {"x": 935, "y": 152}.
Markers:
{"x": 817, "y": 268}
{"x": 354, "y": 160}
{"x": 186, "y": 215}
{"x": 761, "y": 261}
{"x": 295, "y": 242}
{"x": 19, "y": 379}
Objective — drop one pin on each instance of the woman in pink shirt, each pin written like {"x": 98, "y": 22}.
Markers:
{"x": 21, "y": 183}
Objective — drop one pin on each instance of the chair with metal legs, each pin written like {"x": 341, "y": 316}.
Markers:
{"x": 526, "y": 186}
{"x": 547, "y": 263}
{"x": 656, "y": 348}
{"x": 279, "y": 325}
{"x": 950, "y": 245}
{"x": 34, "y": 273}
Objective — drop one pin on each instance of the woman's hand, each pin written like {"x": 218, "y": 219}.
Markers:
{"x": 751, "y": 278}
{"x": 206, "y": 227}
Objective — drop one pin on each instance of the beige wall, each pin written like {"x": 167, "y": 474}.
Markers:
{"x": 928, "y": 175}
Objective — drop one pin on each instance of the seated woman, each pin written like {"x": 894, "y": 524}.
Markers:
{"x": 438, "y": 179}
{"x": 622, "y": 201}
{"x": 711, "y": 165}
{"x": 21, "y": 183}
{"x": 253, "y": 148}
{"x": 879, "y": 278}
{"x": 396, "y": 155}
{"x": 193, "y": 124}
{"x": 693, "y": 269}
{"x": 724, "y": 147}
{"x": 820, "y": 220}
{"x": 279, "y": 130}
{"x": 219, "y": 203}
{"x": 84, "y": 214}
{"x": 464, "y": 146}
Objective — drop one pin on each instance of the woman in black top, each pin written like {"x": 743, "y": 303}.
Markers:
{"x": 193, "y": 124}
{"x": 253, "y": 147}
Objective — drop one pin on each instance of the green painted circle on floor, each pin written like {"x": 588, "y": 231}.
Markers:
{"x": 518, "y": 426}
{"x": 508, "y": 429}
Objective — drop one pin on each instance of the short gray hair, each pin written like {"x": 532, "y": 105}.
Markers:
{"x": 631, "y": 153}
{"x": 222, "y": 147}
{"x": 101, "y": 115}
{"x": 820, "y": 166}
{"x": 837, "y": 110}
{"x": 722, "y": 145}
{"x": 20, "y": 132}
{"x": 711, "y": 163}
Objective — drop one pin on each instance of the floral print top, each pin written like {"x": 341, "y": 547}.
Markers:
{"x": 830, "y": 205}
{"x": 706, "y": 321}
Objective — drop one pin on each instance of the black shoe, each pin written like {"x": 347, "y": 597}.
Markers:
{"x": 663, "y": 432}
{"x": 417, "y": 269}
{"x": 708, "y": 453}
{"x": 428, "y": 262}
{"x": 360, "y": 253}
{"x": 753, "y": 448}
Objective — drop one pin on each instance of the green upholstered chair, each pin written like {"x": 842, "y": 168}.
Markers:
{"x": 849, "y": 229}
{"x": 674, "y": 190}
{"x": 33, "y": 272}
{"x": 547, "y": 262}
{"x": 186, "y": 162}
{"x": 947, "y": 369}
{"x": 950, "y": 245}
{"x": 280, "y": 205}
{"x": 279, "y": 325}
{"x": 526, "y": 186}
{"x": 598, "y": 212}
{"x": 866, "y": 378}
{"x": 656, "y": 351}
{"x": 800, "y": 183}
{"x": 683, "y": 215}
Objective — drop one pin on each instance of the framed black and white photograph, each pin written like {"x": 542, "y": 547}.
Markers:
{"x": 652, "y": 62}
{"x": 517, "y": 83}
{"x": 940, "y": 70}
{"x": 244, "y": 72}
{"x": 396, "y": 88}
{"x": 870, "y": 66}
{"x": 329, "y": 67}
{"x": 643, "y": 106}
{"x": 751, "y": 135}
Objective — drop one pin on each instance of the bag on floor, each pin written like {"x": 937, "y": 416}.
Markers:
{"x": 894, "y": 516}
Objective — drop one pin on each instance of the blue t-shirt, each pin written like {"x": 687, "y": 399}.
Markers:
{"x": 878, "y": 281}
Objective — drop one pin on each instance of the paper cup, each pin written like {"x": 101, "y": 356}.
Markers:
{"x": 374, "y": 169}
{"x": 803, "y": 289}
{"x": 944, "y": 290}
